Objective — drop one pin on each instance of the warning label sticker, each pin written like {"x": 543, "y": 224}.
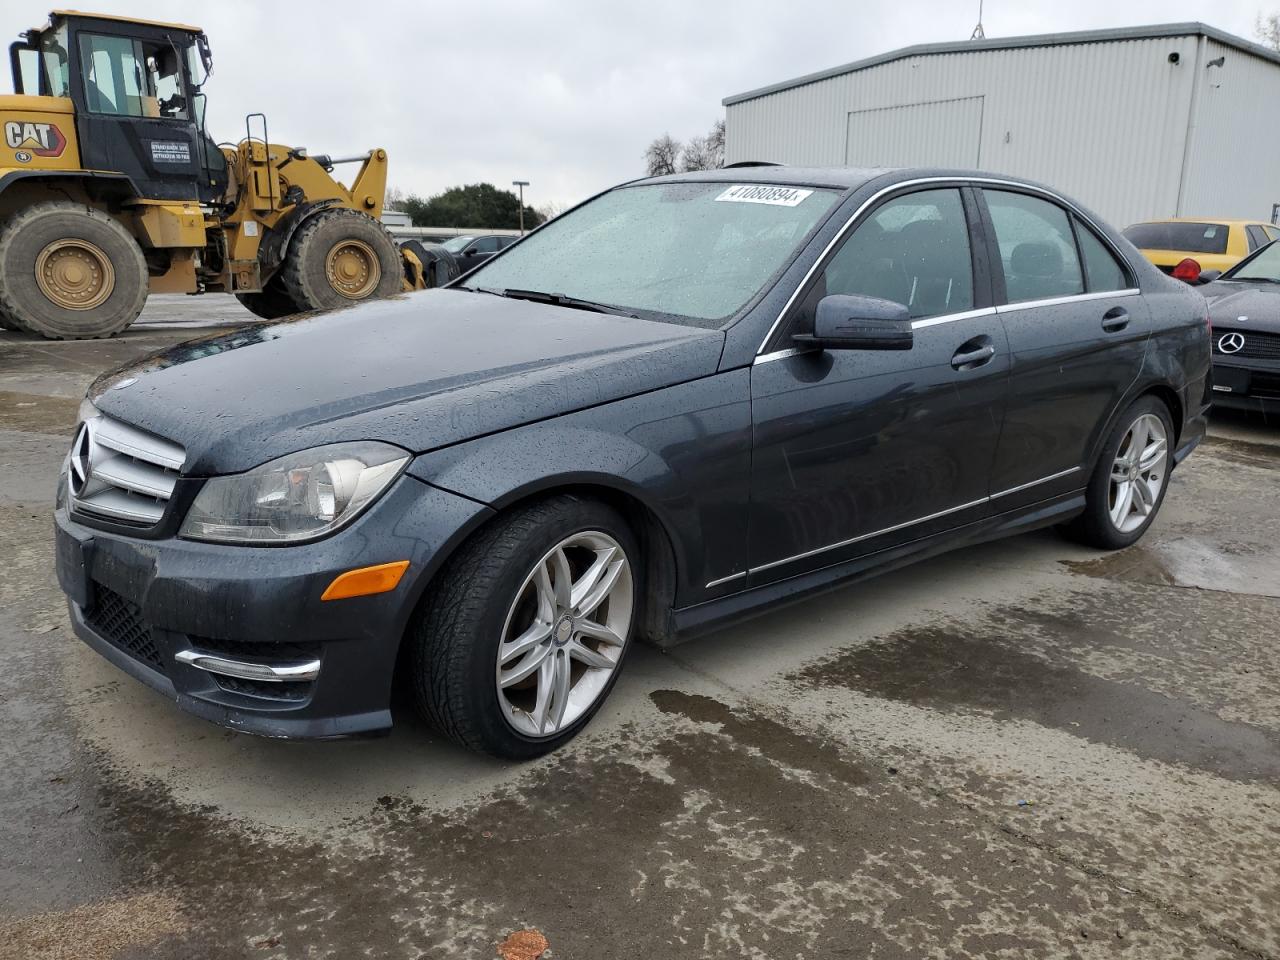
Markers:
{"x": 170, "y": 151}
{"x": 761, "y": 193}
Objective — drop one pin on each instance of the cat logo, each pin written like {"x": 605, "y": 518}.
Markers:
{"x": 43, "y": 139}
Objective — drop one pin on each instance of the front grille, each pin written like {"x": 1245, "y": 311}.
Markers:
{"x": 119, "y": 622}
{"x": 1258, "y": 344}
{"x": 121, "y": 473}
{"x": 1265, "y": 385}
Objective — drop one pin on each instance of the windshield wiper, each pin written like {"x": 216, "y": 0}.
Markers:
{"x": 558, "y": 300}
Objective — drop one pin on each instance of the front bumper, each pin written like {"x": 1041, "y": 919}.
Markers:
{"x": 167, "y": 611}
{"x": 1247, "y": 385}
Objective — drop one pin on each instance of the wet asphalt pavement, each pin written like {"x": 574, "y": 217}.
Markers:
{"x": 837, "y": 779}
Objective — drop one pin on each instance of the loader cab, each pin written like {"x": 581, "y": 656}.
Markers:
{"x": 135, "y": 86}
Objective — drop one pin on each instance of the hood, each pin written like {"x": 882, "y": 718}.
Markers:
{"x": 1243, "y": 304}
{"x": 421, "y": 371}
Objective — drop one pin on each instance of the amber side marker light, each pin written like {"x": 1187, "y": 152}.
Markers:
{"x": 364, "y": 581}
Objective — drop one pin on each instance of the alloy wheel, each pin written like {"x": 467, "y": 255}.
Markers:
{"x": 1138, "y": 473}
{"x": 564, "y": 634}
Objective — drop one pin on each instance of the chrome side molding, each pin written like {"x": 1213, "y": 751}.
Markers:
{"x": 274, "y": 673}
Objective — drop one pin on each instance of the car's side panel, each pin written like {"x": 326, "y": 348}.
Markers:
{"x": 849, "y": 443}
{"x": 684, "y": 452}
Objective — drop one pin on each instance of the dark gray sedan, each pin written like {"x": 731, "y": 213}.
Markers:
{"x": 673, "y": 406}
{"x": 1244, "y": 305}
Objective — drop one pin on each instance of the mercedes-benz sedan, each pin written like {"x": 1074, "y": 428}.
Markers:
{"x": 684, "y": 401}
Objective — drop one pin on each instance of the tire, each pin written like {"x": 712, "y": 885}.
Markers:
{"x": 489, "y": 593}
{"x": 1098, "y": 525}
{"x": 7, "y": 323}
{"x": 95, "y": 278}
{"x": 439, "y": 266}
{"x": 272, "y": 303}
{"x": 357, "y": 241}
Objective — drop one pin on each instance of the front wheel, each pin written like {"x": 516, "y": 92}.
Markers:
{"x": 340, "y": 257}
{"x": 1130, "y": 480}
{"x": 521, "y": 639}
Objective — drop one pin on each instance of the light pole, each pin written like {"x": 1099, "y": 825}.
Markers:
{"x": 521, "y": 184}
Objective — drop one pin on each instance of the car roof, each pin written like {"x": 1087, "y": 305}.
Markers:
{"x": 838, "y": 178}
{"x": 1222, "y": 221}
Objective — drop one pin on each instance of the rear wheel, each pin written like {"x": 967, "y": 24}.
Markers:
{"x": 522, "y": 637}
{"x": 1130, "y": 480}
{"x": 70, "y": 272}
{"x": 272, "y": 303}
{"x": 341, "y": 257}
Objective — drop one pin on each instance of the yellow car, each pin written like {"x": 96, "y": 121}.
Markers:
{"x": 1209, "y": 244}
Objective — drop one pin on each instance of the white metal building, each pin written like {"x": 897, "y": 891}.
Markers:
{"x": 1137, "y": 123}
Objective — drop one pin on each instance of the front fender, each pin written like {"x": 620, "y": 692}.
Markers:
{"x": 682, "y": 452}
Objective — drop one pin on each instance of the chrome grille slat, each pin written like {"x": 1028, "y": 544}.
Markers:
{"x": 118, "y": 472}
{"x": 138, "y": 444}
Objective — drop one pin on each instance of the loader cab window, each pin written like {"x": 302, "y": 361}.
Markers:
{"x": 128, "y": 78}
{"x": 53, "y": 63}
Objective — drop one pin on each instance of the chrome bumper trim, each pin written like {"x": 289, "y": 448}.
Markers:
{"x": 279, "y": 673}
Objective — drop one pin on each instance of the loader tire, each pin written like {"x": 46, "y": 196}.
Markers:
{"x": 272, "y": 303}
{"x": 341, "y": 257}
{"x": 70, "y": 272}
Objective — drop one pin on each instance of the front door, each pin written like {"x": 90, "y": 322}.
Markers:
{"x": 133, "y": 114}
{"x": 858, "y": 450}
{"x": 1077, "y": 330}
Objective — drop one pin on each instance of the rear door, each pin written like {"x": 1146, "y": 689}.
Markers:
{"x": 858, "y": 450}
{"x": 1077, "y": 328}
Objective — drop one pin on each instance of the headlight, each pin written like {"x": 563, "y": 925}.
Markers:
{"x": 301, "y": 496}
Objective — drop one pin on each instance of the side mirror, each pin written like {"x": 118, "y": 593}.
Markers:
{"x": 470, "y": 252}
{"x": 847, "y": 322}
{"x": 1208, "y": 276}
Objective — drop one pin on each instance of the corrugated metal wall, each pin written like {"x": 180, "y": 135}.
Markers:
{"x": 948, "y": 130}
{"x": 1105, "y": 122}
{"x": 1234, "y": 167}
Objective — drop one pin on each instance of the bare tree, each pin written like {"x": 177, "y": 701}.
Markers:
{"x": 697, "y": 155}
{"x": 552, "y": 209}
{"x": 1267, "y": 29}
{"x": 393, "y": 198}
{"x": 662, "y": 156}
{"x": 715, "y": 145}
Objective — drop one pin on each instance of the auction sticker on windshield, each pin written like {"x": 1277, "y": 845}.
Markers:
{"x": 759, "y": 193}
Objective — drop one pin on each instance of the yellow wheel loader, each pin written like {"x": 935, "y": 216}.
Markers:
{"x": 111, "y": 188}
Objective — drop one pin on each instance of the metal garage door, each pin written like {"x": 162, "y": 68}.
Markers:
{"x": 941, "y": 133}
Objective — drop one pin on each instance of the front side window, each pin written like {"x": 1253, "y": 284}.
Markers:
{"x": 1264, "y": 268}
{"x": 1103, "y": 271}
{"x": 125, "y": 77}
{"x": 694, "y": 253}
{"x": 486, "y": 245}
{"x": 457, "y": 244}
{"x": 1037, "y": 248}
{"x": 913, "y": 250}
{"x": 1255, "y": 236}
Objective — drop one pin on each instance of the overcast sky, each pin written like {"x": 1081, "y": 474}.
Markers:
{"x": 563, "y": 93}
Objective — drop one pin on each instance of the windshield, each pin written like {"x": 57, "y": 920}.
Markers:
{"x": 1264, "y": 265}
{"x": 694, "y": 252}
{"x": 457, "y": 244}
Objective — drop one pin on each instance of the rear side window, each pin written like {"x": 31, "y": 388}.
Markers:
{"x": 1102, "y": 270}
{"x": 913, "y": 250}
{"x": 1037, "y": 249}
{"x": 1187, "y": 237}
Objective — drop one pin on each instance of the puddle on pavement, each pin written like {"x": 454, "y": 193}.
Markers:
{"x": 676, "y": 840}
{"x": 991, "y": 666}
{"x": 1244, "y": 451}
{"x": 1185, "y": 561}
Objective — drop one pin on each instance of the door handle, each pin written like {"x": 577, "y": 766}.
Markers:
{"x": 1117, "y": 318}
{"x": 974, "y": 357}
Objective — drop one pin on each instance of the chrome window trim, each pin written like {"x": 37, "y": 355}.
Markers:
{"x": 900, "y": 526}
{"x": 1070, "y": 298}
{"x": 958, "y": 182}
